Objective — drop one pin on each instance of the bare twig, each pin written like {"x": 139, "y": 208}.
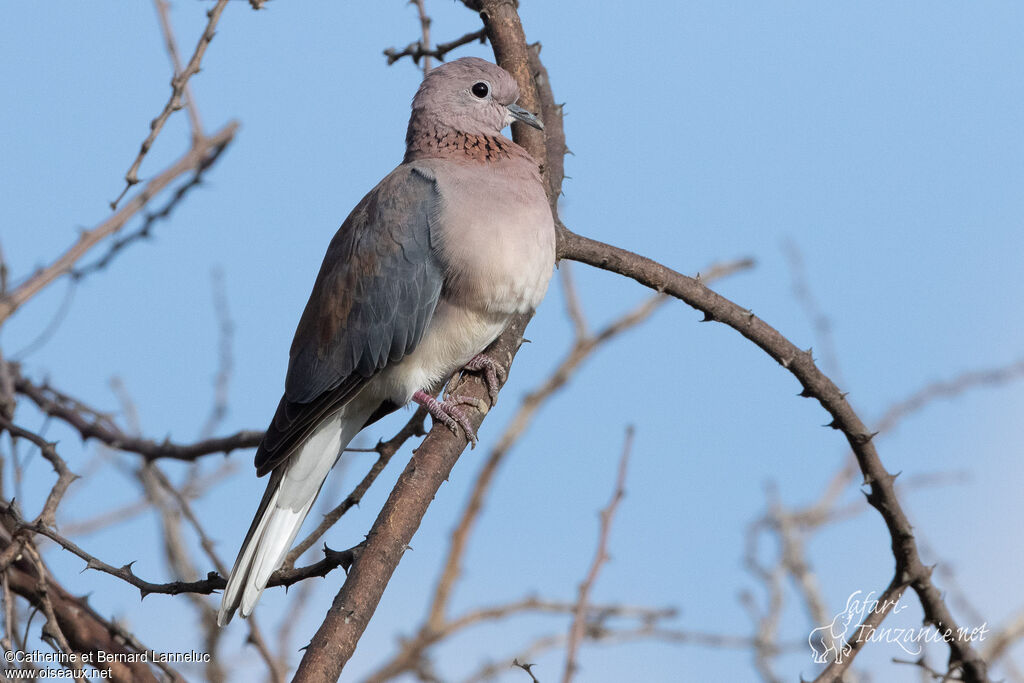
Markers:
{"x": 51, "y": 631}
{"x": 51, "y": 328}
{"x": 573, "y": 308}
{"x": 213, "y": 582}
{"x": 528, "y": 668}
{"x": 6, "y": 642}
{"x": 163, "y": 12}
{"x": 4, "y": 274}
{"x": 416, "y": 50}
{"x": 600, "y": 557}
{"x": 947, "y": 389}
{"x": 425, "y": 30}
{"x": 91, "y": 424}
{"x": 178, "y": 83}
{"x": 65, "y": 477}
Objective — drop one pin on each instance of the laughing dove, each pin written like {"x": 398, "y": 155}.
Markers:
{"x": 423, "y": 275}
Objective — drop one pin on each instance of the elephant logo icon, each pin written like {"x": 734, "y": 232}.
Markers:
{"x": 829, "y": 643}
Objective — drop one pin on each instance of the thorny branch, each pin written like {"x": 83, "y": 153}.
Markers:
{"x": 65, "y": 476}
{"x": 910, "y": 570}
{"x": 791, "y": 525}
{"x": 418, "y": 50}
{"x": 213, "y": 581}
{"x": 91, "y": 424}
{"x": 174, "y": 103}
{"x": 163, "y": 11}
{"x": 84, "y": 629}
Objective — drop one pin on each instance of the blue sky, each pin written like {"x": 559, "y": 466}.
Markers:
{"x": 883, "y": 140}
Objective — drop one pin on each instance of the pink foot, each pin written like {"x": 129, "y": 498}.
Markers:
{"x": 449, "y": 413}
{"x": 494, "y": 374}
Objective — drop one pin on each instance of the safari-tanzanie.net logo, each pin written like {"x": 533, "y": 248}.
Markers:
{"x": 834, "y": 642}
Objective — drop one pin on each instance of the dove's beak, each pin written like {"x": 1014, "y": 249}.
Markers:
{"x": 517, "y": 113}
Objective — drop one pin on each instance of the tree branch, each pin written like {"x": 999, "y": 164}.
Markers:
{"x": 910, "y": 570}
{"x": 91, "y": 424}
{"x": 213, "y": 581}
{"x": 178, "y": 84}
{"x": 417, "y": 50}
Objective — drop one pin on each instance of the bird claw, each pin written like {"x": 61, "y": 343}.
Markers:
{"x": 494, "y": 373}
{"x": 449, "y": 413}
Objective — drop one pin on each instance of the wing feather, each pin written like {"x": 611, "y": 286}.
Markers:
{"x": 373, "y": 298}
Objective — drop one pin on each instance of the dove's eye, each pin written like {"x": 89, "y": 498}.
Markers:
{"x": 480, "y": 89}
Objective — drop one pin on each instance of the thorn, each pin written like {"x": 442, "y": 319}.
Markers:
{"x": 864, "y": 437}
{"x": 708, "y": 317}
{"x": 805, "y": 393}
{"x": 833, "y": 424}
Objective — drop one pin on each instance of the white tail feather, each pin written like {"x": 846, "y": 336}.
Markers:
{"x": 290, "y": 494}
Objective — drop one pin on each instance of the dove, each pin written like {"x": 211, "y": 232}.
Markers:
{"x": 422, "y": 276}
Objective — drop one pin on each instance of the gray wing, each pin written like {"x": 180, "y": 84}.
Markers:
{"x": 372, "y": 300}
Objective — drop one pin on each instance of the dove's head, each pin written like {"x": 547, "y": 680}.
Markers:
{"x": 470, "y": 96}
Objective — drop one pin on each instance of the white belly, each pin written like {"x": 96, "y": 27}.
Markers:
{"x": 454, "y": 336}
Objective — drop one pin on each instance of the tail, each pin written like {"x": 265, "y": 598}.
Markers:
{"x": 290, "y": 493}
